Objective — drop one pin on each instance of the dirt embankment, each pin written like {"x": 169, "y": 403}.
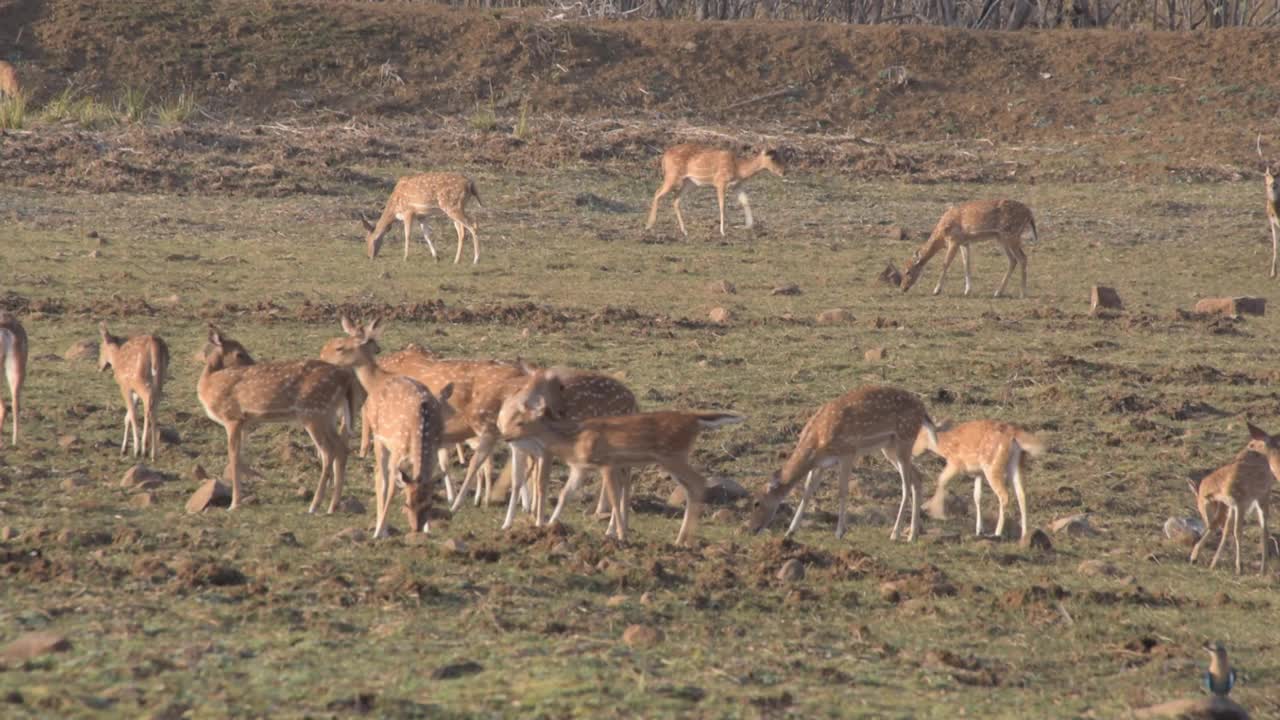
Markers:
{"x": 877, "y": 100}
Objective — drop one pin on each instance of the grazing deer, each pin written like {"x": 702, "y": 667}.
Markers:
{"x": 858, "y": 423}
{"x": 683, "y": 165}
{"x": 981, "y": 447}
{"x": 623, "y": 441}
{"x": 239, "y": 394}
{"x": 1001, "y": 220}
{"x": 1273, "y": 206}
{"x": 405, "y": 419}
{"x": 416, "y": 195}
{"x": 140, "y": 365}
{"x": 1242, "y": 485}
{"x": 13, "y": 356}
{"x": 9, "y": 85}
{"x": 568, "y": 394}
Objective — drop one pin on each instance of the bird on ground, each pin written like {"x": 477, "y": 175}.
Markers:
{"x": 1220, "y": 677}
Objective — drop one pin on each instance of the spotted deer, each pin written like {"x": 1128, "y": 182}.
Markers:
{"x": 140, "y": 365}
{"x": 1001, "y": 220}
{"x": 13, "y": 356}
{"x": 690, "y": 164}
{"x": 1273, "y": 206}
{"x": 997, "y": 450}
{"x": 609, "y": 444}
{"x": 9, "y": 84}
{"x": 568, "y": 394}
{"x": 1243, "y": 485}
{"x": 414, "y": 197}
{"x": 405, "y": 420}
{"x": 858, "y": 423}
{"x": 239, "y": 394}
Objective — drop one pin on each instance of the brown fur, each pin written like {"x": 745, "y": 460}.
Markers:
{"x": 1238, "y": 487}
{"x": 416, "y": 195}
{"x": 665, "y": 439}
{"x": 239, "y": 394}
{"x": 983, "y": 447}
{"x": 858, "y": 423}
{"x": 9, "y": 84}
{"x": 683, "y": 165}
{"x": 13, "y": 361}
{"x": 1273, "y": 215}
{"x": 1001, "y": 220}
{"x": 140, "y": 366}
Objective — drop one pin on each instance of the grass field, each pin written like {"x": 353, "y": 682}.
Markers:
{"x": 268, "y": 612}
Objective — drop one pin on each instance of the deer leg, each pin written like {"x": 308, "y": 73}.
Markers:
{"x": 519, "y": 475}
{"x": 426, "y": 235}
{"x": 337, "y": 451}
{"x": 810, "y": 482}
{"x": 937, "y": 505}
{"x": 483, "y": 450}
{"x": 1275, "y": 244}
{"x": 843, "y": 470}
{"x": 695, "y": 488}
{"x": 364, "y": 432}
{"x": 1235, "y": 538}
{"x": 603, "y": 502}
{"x": 897, "y": 523}
{"x": 566, "y": 493}
{"x": 1013, "y": 263}
{"x": 675, "y": 205}
{"x": 665, "y": 188}
{"x": 235, "y": 432}
{"x": 1002, "y": 497}
{"x": 977, "y": 505}
{"x": 15, "y": 378}
{"x": 946, "y": 263}
{"x": 1262, "y": 525}
{"x": 462, "y": 455}
{"x": 968, "y": 276}
{"x": 408, "y": 233}
{"x": 746, "y": 208}
{"x": 1022, "y": 260}
{"x": 538, "y": 491}
{"x": 1226, "y": 530}
{"x": 313, "y": 431}
{"x": 382, "y": 488}
{"x": 128, "y": 418}
{"x": 1015, "y": 471}
{"x": 610, "y": 487}
{"x": 442, "y": 459}
{"x": 1208, "y": 529}
{"x": 720, "y": 200}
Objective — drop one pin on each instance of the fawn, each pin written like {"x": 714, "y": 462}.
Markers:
{"x": 416, "y": 195}
{"x": 1001, "y": 220}
{"x": 685, "y": 165}
{"x": 140, "y": 365}
{"x": 1244, "y": 484}
{"x": 858, "y": 423}
{"x": 13, "y": 356}
{"x": 982, "y": 447}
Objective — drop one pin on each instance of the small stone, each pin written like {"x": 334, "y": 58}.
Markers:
{"x": 1232, "y": 307}
{"x": 722, "y": 286}
{"x": 212, "y": 493}
{"x": 92, "y": 235}
{"x": 897, "y": 233}
{"x": 74, "y": 482}
{"x": 263, "y": 170}
{"x": 1184, "y": 530}
{"x": 142, "y": 500}
{"x": 1037, "y": 540}
{"x": 199, "y": 474}
{"x": 791, "y": 571}
{"x": 94, "y": 254}
{"x": 287, "y": 539}
{"x": 141, "y": 476}
{"x": 875, "y": 354}
{"x": 720, "y": 490}
{"x": 1104, "y": 298}
{"x": 348, "y": 505}
{"x": 642, "y": 636}
{"x": 787, "y": 289}
{"x": 617, "y": 601}
{"x": 1073, "y": 526}
{"x": 352, "y": 534}
{"x": 33, "y": 645}
{"x": 66, "y": 441}
{"x": 1098, "y": 568}
{"x": 890, "y": 593}
{"x": 82, "y": 350}
{"x": 890, "y": 276}
{"x": 454, "y": 545}
{"x": 835, "y": 316}
{"x": 723, "y": 515}
{"x": 720, "y": 316}
{"x": 457, "y": 670}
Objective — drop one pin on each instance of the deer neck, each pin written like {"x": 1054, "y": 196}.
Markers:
{"x": 795, "y": 470}
{"x": 557, "y": 436}
{"x": 370, "y": 376}
{"x": 747, "y": 167}
{"x": 928, "y": 250}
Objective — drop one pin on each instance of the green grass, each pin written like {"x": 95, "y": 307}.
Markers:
{"x": 131, "y": 105}
{"x": 176, "y": 109}
{"x": 13, "y": 112}
{"x": 318, "y": 624}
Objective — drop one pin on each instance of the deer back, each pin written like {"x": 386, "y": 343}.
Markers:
{"x": 272, "y": 391}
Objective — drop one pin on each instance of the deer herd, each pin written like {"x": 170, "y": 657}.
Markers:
{"x": 416, "y": 408}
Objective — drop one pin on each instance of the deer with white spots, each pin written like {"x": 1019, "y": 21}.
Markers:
{"x": 858, "y": 423}
{"x": 1001, "y": 220}
{"x": 568, "y": 394}
{"x": 239, "y": 394}
{"x": 405, "y": 420}
{"x": 1242, "y": 486}
{"x": 997, "y": 450}
{"x": 690, "y": 164}
{"x": 13, "y": 357}
{"x": 140, "y": 365}
{"x": 416, "y": 195}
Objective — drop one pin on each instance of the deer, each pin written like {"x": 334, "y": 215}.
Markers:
{"x": 140, "y": 365}
{"x": 573, "y": 395}
{"x": 9, "y": 84}
{"x": 406, "y": 422}
{"x": 416, "y": 195}
{"x": 865, "y": 420}
{"x": 1001, "y": 220}
{"x": 612, "y": 443}
{"x": 691, "y": 164}
{"x": 239, "y": 394}
{"x": 998, "y": 450}
{"x": 1273, "y": 206}
{"x": 13, "y": 356}
{"x": 1244, "y": 484}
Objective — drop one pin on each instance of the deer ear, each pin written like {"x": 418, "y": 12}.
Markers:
{"x": 215, "y": 337}
{"x": 349, "y": 327}
{"x": 373, "y": 329}
{"x": 102, "y": 329}
{"x": 1257, "y": 433}
{"x": 445, "y": 393}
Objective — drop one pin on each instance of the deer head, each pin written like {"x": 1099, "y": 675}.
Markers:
{"x": 223, "y": 352}
{"x": 358, "y": 348}
{"x": 106, "y": 350}
{"x": 766, "y": 505}
{"x": 911, "y": 273}
{"x": 769, "y": 160}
